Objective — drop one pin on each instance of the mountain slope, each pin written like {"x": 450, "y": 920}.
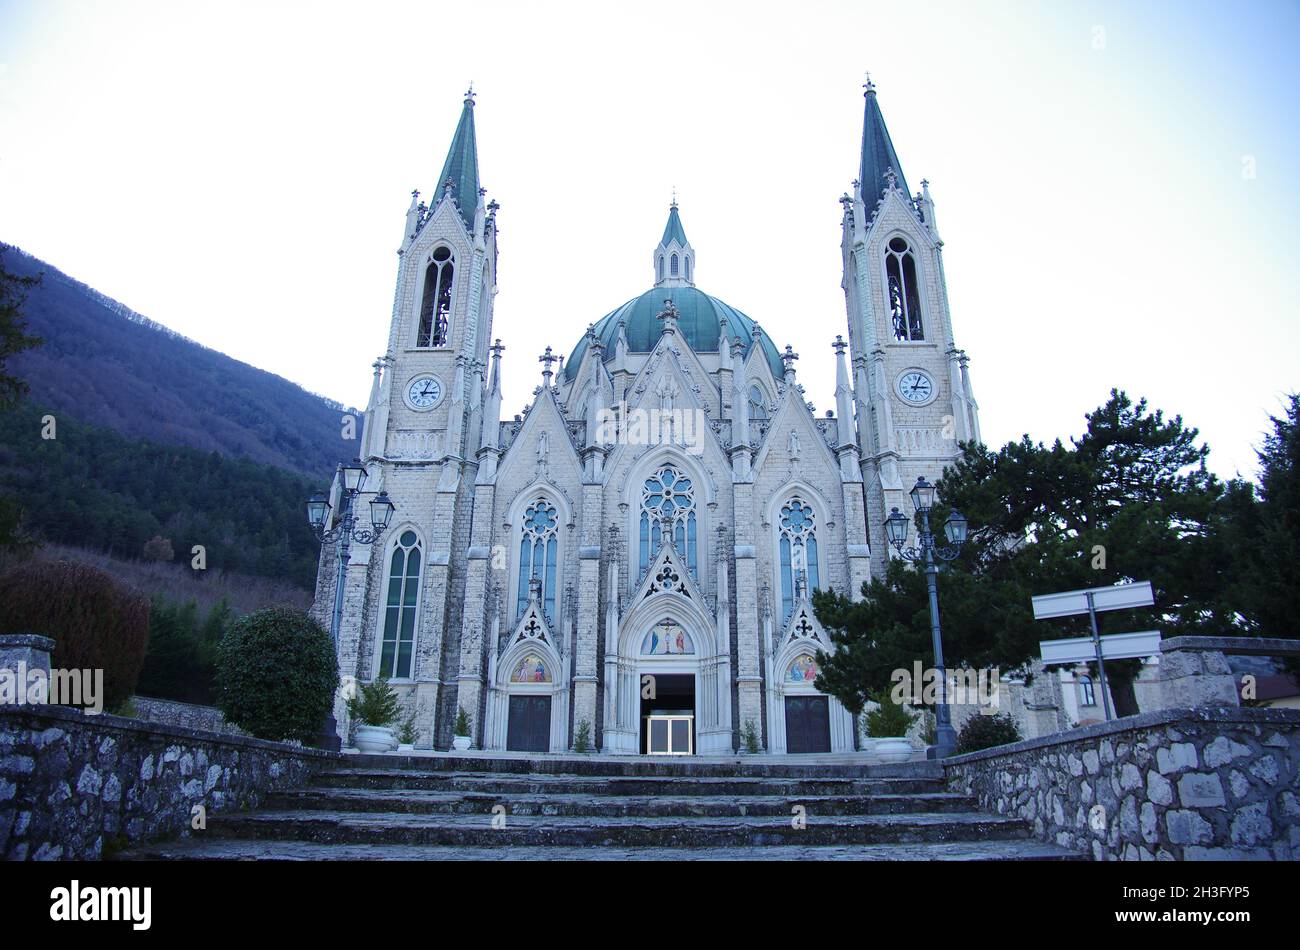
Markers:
{"x": 106, "y": 365}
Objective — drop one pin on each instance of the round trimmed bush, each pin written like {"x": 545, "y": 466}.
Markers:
{"x": 95, "y": 622}
{"x": 985, "y": 732}
{"x": 276, "y": 674}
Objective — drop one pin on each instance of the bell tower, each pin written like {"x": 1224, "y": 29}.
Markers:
{"x": 433, "y": 374}
{"x": 912, "y": 387}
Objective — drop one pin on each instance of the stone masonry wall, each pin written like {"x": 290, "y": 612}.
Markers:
{"x": 70, "y": 783}
{"x": 168, "y": 712}
{"x": 1177, "y": 784}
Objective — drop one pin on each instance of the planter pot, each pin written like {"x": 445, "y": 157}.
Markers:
{"x": 461, "y": 743}
{"x": 375, "y": 739}
{"x": 406, "y": 747}
{"x": 893, "y": 749}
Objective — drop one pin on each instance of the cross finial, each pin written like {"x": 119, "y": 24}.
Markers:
{"x": 469, "y": 94}
{"x": 448, "y": 186}
{"x": 788, "y": 358}
{"x": 674, "y": 196}
{"x": 839, "y": 345}
{"x": 867, "y": 84}
{"x": 496, "y": 349}
{"x": 547, "y": 359}
{"x": 891, "y": 179}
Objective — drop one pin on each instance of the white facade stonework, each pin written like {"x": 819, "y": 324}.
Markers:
{"x": 749, "y": 500}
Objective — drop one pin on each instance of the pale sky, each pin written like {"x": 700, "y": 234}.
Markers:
{"x": 1117, "y": 185}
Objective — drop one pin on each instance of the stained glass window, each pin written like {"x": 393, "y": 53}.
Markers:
{"x": 798, "y": 550}
{"x": 538, "y": 554}
{"x": 668, "y": 494}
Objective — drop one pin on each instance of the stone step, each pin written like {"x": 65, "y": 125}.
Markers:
{"x": 407, "y": 801}
{"x": 540, "y": 784}
{"x": 394, "y": 828}
{"x": 854, "y": 765}
{"x": 216, "y": 849}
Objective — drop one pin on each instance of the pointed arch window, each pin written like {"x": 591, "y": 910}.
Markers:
{"x": 1089, "y": 697}
{"x": 397, "y": 646}
{"x": 668, "y": 494}
{"x": 435, "y": 305}
{"x": 904, "y": 291}
{"x": 672, "y": 265}
{"x": 686, "y": 263}
{"x": 757, "y": 404}
{"x": 539, "y": 545}
{"x": 798, "y": 553}
{"x": 659, "y": 267}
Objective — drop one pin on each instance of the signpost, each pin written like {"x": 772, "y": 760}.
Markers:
{"x": 1113, "y": 646}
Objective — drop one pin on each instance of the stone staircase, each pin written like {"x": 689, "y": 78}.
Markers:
{"x": 467, "y": 807}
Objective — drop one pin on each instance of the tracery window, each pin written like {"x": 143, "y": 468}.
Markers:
{"x": 1089, "y": 695}
{"x": 798, "y": 552}
{"x": 904, "y": 291}
{"x": 672, "y": 265}
{"x": 435, "y": 306}
{"x": 538, "y": 554}
{"x": 397, "y": 645}
{"x": 757, "y": 404}
{"x": 668, "y": 494}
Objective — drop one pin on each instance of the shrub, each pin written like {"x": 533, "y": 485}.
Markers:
{"x": 985, "y": 732}
{"x": 462, "y": 722}
{"x": 890, "y": 720}
{"x": 375, "y": 704}
{"x": 276, "y": 674}
{"x": 582, "y": 737}
{"x": 406, "y": 735}
{"x": 96, "y": 623}
{"x": 749, "y": 737}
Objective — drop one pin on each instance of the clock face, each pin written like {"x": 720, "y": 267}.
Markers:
{"x": 915, "y": 386}
{"x": 424, "y": 392}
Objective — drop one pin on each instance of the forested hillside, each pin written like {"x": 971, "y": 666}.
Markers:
{"x": 108, "y": 366}
{"x": 94, "y": 488}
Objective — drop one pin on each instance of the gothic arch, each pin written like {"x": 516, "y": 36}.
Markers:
{"x": 378, "y": 667}
{"x": 514, "y": 523}
{"x": 824, "y": 519}
{"x": 927, "y": 313}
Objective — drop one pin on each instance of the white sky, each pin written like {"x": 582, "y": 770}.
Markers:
{"x": 240, "y": 172}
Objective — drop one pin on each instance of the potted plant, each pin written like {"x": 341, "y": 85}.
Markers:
{"x": 461, "y": 738}
{"x": 887, "y": 725}
{"x": 375, "y": 707}
{"x": 406, "y": 735}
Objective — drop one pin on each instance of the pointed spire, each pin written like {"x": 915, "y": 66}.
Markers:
{"x": 878, "y": 155}
{"x": 843, "y": 395}
{"x": 674, "y": 257}
{"x": 461, "y": 167}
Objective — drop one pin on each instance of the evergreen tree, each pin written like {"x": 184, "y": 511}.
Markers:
{"x": 1131, "y": 499}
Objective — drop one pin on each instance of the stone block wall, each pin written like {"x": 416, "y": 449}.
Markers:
{"x": 1176, "y": 784}
{"x": 168, "y": 712}
{"x": 72, "y": 783}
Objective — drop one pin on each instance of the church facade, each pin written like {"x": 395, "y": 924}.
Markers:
{"x": 628, "y": 564}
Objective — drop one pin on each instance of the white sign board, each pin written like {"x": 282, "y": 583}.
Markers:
{"x": 1114, "y": 646}
{"x": 1072, "y": 602}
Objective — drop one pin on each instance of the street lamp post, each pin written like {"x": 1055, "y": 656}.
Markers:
{"x": 344, "y": 532}
{"x": 929, "y": 552}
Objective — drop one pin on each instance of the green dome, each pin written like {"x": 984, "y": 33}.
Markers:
{"x": 699, "y": 318}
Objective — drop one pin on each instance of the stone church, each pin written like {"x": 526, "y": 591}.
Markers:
{"x": 628, "y": 564}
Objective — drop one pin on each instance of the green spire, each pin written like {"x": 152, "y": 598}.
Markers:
{"x": 673, "y": 229}
{"x": 878, "y": 155}
{"x": 461, "y": 166}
